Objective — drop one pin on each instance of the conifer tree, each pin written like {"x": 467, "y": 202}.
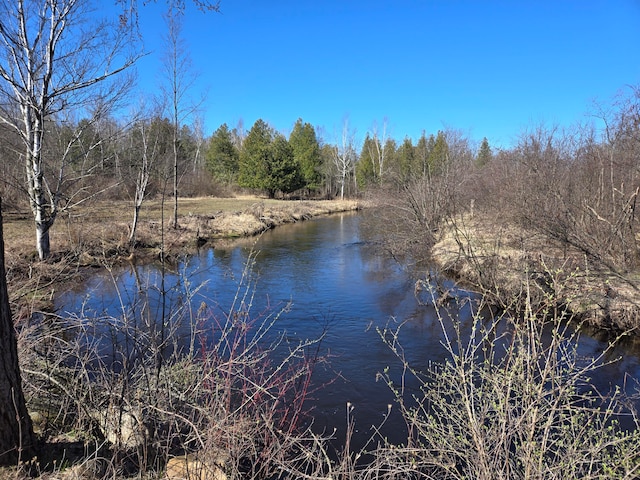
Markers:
{"x": 252, "y": 167}
{"x": 406, "y": 160}
{"x": 439, "y": 153}
{"x": 267, "y": 162}
{"x": 484, "y": 153}
{"x": 222, "y": 156}
{"x": 421, "y": 156}
{"x": 284, "y": 172}
{"x": 390, "y": 149}
{"x": 306, "y": 151}
{"x": 366, "y": 171}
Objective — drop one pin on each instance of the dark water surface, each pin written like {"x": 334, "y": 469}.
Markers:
{"x": 335, "y": 279}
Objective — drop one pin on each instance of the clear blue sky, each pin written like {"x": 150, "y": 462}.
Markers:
{"x": 486, "y": 68}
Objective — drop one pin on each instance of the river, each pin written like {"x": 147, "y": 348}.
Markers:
{"x": 333, "y": 279}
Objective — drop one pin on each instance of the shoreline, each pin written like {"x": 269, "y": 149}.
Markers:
{"x": 505, "y": 263}
{"x": 91, "y": 240}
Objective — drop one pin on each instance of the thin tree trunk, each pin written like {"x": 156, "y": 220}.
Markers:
{"x": 175, "y": 184}
{"x": 134, "y": 224}
{"x": 17, "y": 440}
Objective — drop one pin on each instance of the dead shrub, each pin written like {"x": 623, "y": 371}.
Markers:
{"x": 162, "y": 380}
{"x": 512, "y": 399}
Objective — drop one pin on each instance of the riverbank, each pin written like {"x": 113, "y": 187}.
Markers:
{"x": 97, "y": 235}
{"x": 506, "y": 263}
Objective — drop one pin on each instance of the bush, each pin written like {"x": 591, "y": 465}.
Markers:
{"x": 221, "y": 391}
{"x": 513, "y": 399}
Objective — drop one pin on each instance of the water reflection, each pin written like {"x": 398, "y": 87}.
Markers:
{"x": 333, "y": 278}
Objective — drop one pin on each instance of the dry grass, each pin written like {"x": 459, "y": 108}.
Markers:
{"x": 500, "y": 259}
{"x": 104, "y": 225}
{"x": 97, "y": 234}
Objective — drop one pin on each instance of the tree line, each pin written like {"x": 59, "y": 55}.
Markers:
{"x": 143, "y": 157}
{"x": 123, "y": 158}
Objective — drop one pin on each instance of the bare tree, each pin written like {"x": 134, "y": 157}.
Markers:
{"x": 344, "y": 155}
{"x": 55, "y": 57}
{"x": 148, "y": 146}
{"x": 378, "y": 148}
{"x": 179, "y": 80}
{"x": 199, "y": 138}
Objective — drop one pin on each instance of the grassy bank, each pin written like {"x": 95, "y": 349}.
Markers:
{"x": 103, "y": 228}
{"x": 97, "y": 235}
{"x": 506, "y": 262}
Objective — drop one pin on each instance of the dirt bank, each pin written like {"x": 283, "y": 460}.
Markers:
{"x": 97, "y": 236}
{"x": 505, "y": 263}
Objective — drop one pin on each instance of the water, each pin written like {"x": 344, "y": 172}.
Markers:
{"x": 334, "y": 280}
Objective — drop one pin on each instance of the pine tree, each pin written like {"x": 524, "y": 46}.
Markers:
{"x": 421, "y": 156}
{"x": 267, "y": 162}
{"x": 366, "y": 171}
{"x": 406, "y": 161}
{"x": 284, "y": 172}
{"x": 439, "y": 153}
{"x": 390, "y": 149}
{"x": 306, "y": 151}
{"x": 254, "y": 155}
{"x": 222, "y": 156}
{"x": 484, "y": 153}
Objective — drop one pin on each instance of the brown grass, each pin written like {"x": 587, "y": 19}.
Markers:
{"x": 105, "y": 225}
{"x": 97, "y": 234}
{"x": 501, "y": 260}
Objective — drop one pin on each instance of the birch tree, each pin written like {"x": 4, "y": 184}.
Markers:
{"x": 379, "y": 151}
{"x": 55, "y": 57}
{"x": 344, "y": 156}
{"x": 199, "y": 140}
{"x": 149, "y": 145}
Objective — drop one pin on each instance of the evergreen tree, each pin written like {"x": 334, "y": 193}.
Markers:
{"x": 329, "y": 170}
{"x": 422, "y": 153}
{"x": 390, "y": 150}
{"x": 222, "y": 156}
{"x": 439, "y": 154}
{"x": 254, "y": 155}
{"x": 484, "y": 153}
{"x": 283, "y": 171}
{"x": 366, "y": 168}
{"x": 306, "y": 151}
{"x": 406, "y": 161}
{"x": 267, "y": 162}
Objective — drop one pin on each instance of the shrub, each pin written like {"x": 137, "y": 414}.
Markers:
{"x": 162, "y": 380}
{"x": 513, "y": 399}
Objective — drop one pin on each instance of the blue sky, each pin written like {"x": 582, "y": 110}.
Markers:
{"x": 485, "y": 68}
